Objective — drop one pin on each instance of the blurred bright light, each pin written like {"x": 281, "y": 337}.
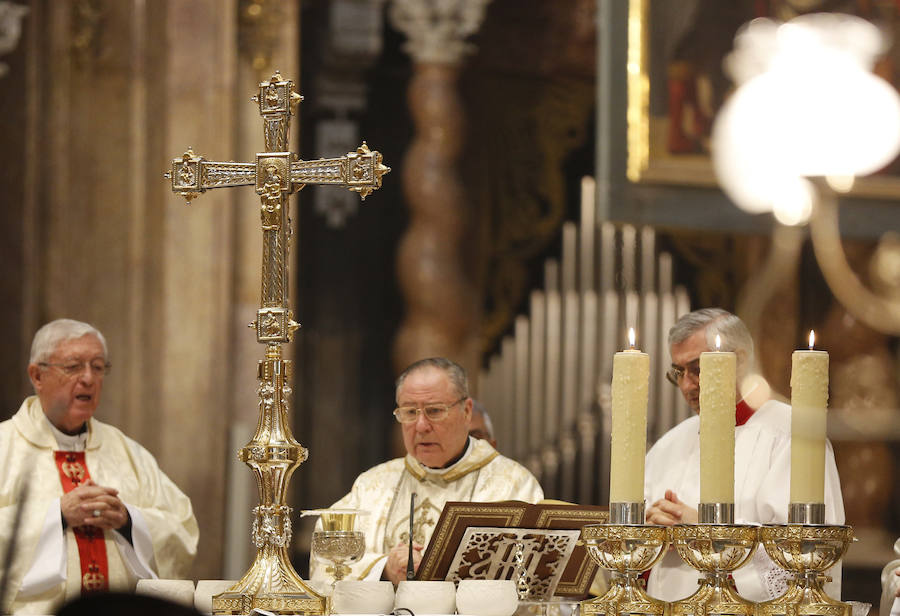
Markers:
{"x": 793, "y": 203}
{"x": 840, "y": 183}
{"x": 807, "y": 105}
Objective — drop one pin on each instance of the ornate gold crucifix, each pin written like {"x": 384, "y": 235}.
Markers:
{"x": 273, "y": 454}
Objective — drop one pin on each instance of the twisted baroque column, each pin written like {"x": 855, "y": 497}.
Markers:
{"x": 440, "y": 317}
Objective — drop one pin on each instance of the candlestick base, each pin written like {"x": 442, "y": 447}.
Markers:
{"x": 715, "y": 550}
{"x": 806, "y": 551}
{"x": 626, "y": 550}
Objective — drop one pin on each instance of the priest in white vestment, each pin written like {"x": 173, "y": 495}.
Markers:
{"x": 443, "y": 463}
{"x": 762, "y": 463}
{"x": 93, "y": 508}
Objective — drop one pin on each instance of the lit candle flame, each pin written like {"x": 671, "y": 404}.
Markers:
{"x": 718, "y": 342}
{"x": 812, "y": 339}
{"x": 631, "y": 337}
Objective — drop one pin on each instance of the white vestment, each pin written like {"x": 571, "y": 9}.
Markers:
{"x": 481, "y": 475}
{"x": 762, "y": 472}
{"x": 890, "y": 585}
{"x": 46, "y": 568}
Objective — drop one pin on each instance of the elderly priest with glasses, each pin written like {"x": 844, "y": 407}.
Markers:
{"x": 443, "y": 463}
{"x": 762, "y": 457}
{"x": 83, "y": 507}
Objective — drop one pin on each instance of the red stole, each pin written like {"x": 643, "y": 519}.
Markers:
{"x": 742, "y": 413}
{"x": 73, "y": 472}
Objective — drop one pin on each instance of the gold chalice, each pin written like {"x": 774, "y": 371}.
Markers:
{"x": 338, "y": 547}
{"x": 715, "y": 550}
{"x": 806, "y": 551}
{"x": 626, "y": 550}
{"x": 338, "y": 543}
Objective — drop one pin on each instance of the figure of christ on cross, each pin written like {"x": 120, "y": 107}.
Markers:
{"x": 273, "y": 453}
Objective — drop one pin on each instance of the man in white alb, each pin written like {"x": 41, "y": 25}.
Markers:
{"x": 443, "y": 463}
{"x": 97, "y": 513}
{"x": 762, "y": 458}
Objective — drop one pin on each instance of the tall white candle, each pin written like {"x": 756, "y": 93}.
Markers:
{"x": 717, "y": 406}
{"x": 630, "y": 385}
{"x": 809, "y": 400}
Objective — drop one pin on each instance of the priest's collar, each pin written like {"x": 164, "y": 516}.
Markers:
{"x": 33, "y": 425}
{"x": 477, "y": 454}
{"x": 69, "y": 442}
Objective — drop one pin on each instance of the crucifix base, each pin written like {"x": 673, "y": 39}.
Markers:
{"x": 271, "y": 585}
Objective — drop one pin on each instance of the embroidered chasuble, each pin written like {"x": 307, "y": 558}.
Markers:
{"x": 47, "y": 565}
{"x": 481, "y": 475}
{"x": 762, "y": 470}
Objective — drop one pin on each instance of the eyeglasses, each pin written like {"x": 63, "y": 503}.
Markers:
{"x": 676, "y": 373}
{"x": 73, "y": 368}
{"x": 432, "y": 412}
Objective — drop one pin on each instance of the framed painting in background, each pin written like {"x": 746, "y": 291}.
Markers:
{"x": 676, "y": 82}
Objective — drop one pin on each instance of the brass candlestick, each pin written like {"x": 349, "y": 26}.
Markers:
{"x": 715, "y": 547}
{"x": 806, "y": 547}
{"x": 626, "y": 547}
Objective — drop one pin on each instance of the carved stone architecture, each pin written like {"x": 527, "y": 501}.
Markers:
{"x": 439, "y": 299}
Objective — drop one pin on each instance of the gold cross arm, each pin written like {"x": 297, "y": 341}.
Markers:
{"x": 360, "y": 171}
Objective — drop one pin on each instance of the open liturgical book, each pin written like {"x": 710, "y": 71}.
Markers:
{"x": 513, "y": 540}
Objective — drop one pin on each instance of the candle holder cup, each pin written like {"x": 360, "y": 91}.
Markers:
{"x": 715, "y": 550}
{"x": 626, "y": 550}
{"x": 806, "y": 551}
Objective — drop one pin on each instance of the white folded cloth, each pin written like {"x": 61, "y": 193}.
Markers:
{"x": 179, "y": 591}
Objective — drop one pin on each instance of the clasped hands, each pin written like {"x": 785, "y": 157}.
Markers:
{"x": 669, "y": 511}
{"x": 397, "y": 559}
{"x": 93, "y": 505}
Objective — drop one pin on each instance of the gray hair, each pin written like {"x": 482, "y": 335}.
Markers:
{"x": 478, "y": 407}
{"x": 734, "y": 335}
{"x": 48, "y": 338}
{"x": 455, "y": 372}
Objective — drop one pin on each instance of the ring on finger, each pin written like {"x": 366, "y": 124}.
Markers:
{"x": 96, "y": 513}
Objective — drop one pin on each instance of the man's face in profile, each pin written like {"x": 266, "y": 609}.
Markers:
{"x": 478, "y": 429}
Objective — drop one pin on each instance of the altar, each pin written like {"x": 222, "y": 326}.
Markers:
{"x": 371, "y": 595}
